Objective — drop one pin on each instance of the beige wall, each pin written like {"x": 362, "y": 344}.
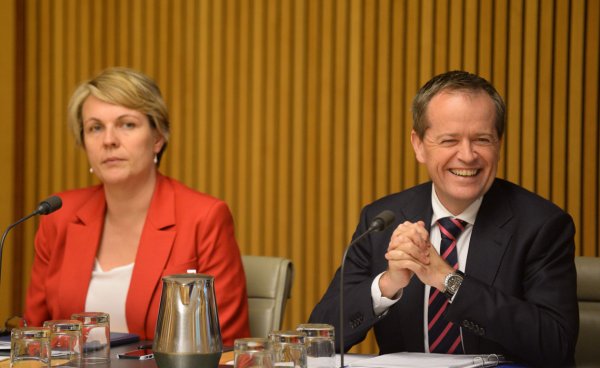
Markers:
{"x": 297, "y": 112}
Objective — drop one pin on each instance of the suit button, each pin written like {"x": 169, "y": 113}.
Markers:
{"x": 467, "y": 324}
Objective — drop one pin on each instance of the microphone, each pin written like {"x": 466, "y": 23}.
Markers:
{"x": 45, "y": 207}
{"x": 379, "y": 223}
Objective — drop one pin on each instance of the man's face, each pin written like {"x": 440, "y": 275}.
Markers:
{"x": 461, "y": 148}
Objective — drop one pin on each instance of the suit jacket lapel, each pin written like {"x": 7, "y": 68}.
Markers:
{"x": 418, "y": 208}
{"x": 489, "y": 241}
{"x": 490, "y": 236}
{"x": 153, "y": 252}
{"x": 81, "y": 245}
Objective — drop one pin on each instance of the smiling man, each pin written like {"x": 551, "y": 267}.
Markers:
{"x": 474, "y": 264}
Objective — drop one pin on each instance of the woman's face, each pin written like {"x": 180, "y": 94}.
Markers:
{"x": 119, "y": 142}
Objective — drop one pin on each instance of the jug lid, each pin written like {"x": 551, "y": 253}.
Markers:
{"x": 187, "y": 278}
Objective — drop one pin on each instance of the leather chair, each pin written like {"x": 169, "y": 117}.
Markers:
{"x": 587, "y": 352}
{"x": 269, "y": 284}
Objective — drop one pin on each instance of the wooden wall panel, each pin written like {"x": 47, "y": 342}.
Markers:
{"x": 297, "y": 113}
{"x": 8, "y": 153}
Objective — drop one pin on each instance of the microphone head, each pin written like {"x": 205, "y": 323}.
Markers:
{"x": 49, "y": 205}
{"x": 382, "y": 220}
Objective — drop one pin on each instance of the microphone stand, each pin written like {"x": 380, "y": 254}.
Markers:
{"x": 342, "y": 348}
{"x": 45, "y": 207}
{"x": 6, "y": 233}
{"x": 381, "y": 221}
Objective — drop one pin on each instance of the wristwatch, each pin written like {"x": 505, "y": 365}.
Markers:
{"x": 452, "y": 283}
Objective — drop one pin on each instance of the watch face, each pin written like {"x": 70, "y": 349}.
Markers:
{"x": 454, "y": 282}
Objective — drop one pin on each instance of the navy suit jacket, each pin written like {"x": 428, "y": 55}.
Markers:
{"x": 519, "y": 294}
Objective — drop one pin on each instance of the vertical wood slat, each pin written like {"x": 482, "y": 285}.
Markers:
{"x": 590, "y": 226}
{"x": 575, "y": 112}
{"x": 8, "y": 40}
{"x": 297, "y": 113}
{"x": 529, "y": 113}
{"x": 544, "y": 103}
{"x": 559, "y": 107}
{"x": 514, "y": 93}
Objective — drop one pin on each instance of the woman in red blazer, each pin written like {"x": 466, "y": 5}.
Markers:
{"x": 110, "y": 244}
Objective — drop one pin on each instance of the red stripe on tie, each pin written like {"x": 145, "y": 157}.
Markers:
{"x": 454, "y": 345}
{"x": 458, "y": 224}
{"x": 433, "y": 295}
{"x": 437, "y": 315}
{"x": 447, "y": 233}
{"x": 440, "y": 338}
{"x": 449, "y": 250}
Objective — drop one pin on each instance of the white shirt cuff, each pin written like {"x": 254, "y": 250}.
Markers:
{"x": 380, "y": 303}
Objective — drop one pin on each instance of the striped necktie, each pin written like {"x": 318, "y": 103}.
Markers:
{"x": 444, "y": 336}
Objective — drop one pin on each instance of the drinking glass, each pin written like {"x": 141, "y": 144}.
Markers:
{"x": 30, "y": 347}
{"x": 65, "y": 342}
{"x": 320, "y": 344}
{"x": 252, "y": 352}
{"x": 288, "y": 348}
{"x": 95, "y": 331}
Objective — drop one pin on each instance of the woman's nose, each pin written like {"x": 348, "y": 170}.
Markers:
{"x": 110, "y": 137}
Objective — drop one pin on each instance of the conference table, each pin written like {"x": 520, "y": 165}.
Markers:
{"x": 115, "y": 362}
{"x": 128, "y": 363}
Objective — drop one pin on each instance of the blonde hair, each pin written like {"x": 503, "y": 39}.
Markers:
{"x": 123, "y": 87}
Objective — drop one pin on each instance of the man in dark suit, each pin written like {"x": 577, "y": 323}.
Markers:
{"x": 505, "y": 281}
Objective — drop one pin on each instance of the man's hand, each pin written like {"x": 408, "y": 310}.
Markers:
{"x": 409, "y": 244}
{"x": 410, "y": 253}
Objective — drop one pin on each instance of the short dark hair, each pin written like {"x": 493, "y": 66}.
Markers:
{"x": 455, "y": 80}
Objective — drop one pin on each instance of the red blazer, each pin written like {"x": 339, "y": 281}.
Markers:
{"x": 184, "y": 229}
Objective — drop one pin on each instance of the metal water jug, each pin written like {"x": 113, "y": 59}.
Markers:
{"x": 187, "y": 330}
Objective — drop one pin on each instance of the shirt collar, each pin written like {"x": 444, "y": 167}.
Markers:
{"x": 439, "y": 211}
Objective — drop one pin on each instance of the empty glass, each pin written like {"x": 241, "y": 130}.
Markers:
{"x": 252, "y": 352}
{"x": 30, "y": 347}
{"x": 95, "y": 331}
{"x": 288, "y": 348}
{"x": 320, "y": 344}
{"x": 66, "y": 342}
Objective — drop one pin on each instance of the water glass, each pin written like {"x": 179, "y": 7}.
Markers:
{"x": 288, "y": 348}
{"x": 66, "y": 342}
{"x": 320, "y": 344}
{"x": 95, "y": 331}
{"x": 252, "y": 352}
{"x": 30, "y": 347}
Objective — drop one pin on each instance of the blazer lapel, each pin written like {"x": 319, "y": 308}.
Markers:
{"x": 153, "y": 252}
{"x": 81, "y": 245}
{"x": 490, "y": 236}
{"x": 417, "y": 208}
{"x": 488, "y": 243}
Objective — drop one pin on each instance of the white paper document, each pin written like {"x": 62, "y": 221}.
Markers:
{"x": 419, "y": 360}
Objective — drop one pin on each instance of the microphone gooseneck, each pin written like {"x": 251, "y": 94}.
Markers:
{"x": 379, "y": 223}
{"x": 45, "y": 207}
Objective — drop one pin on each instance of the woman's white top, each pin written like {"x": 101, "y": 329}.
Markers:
{"x": 108, "y": 293}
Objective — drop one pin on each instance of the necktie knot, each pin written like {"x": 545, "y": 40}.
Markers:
{"x": 451, "y": 227}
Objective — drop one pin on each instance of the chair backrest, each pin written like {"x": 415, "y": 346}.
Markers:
{"x": 269, "y": 284}
{"x": 587, "y": 353}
